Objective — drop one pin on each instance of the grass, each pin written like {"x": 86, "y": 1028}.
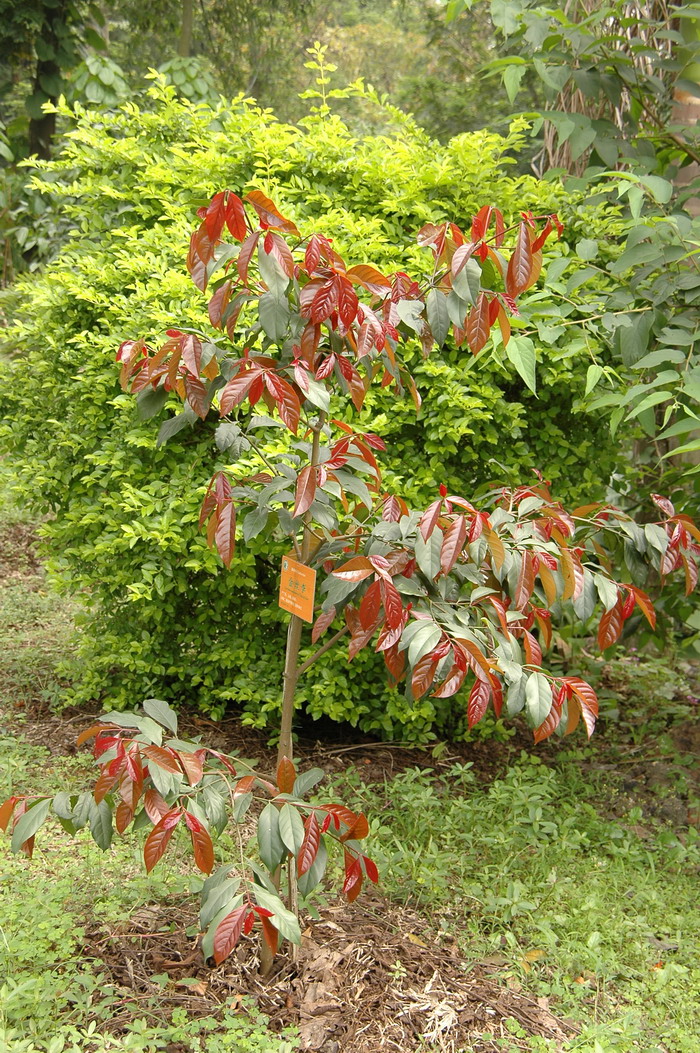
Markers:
{"x": 566, "y": 877}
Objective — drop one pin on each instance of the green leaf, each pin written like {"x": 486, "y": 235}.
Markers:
{"x": 172, "y": 427}
{"x": 317, "y": 394}
{"x": 538, "y": 698}
{"x": 270, "y": 844}
{"x": 307, "y": 780}
{"x": 29, "y": 823}
{"x": 438, "y": 315}
{"x": 521, "y": 352}
{"x": 291, "y": 827}
{"x": 593, "y": 375}
{"x": 633, "y": 339}
{"x": 428, "y": 553}
{"x": 515, "y": 699}
{"x": 410, "y": 313}
{"x": 274, "y": 315}
{"x": 652, "y": 399}
{"x": 101, "y": 824}
{"x": 150, "y": 402}
{"x": 423, "y": 641}
{"x": 467, "y": 284}
{"x": 216, "y": 898}
{"x": 254, "y": 523}
{"x": 587, "y": 249}
{"x": 162, "y": 713}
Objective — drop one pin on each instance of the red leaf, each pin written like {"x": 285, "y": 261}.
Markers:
{"x": 453, "y": 543}
{"x": 521, "y": 263}
{"x": 154, "y": 805}
{"x": 157, "y": 840}
{"x": 478, "y": 325}
{"x": 312, "y": 256}
{"x": 192, "y": 353}
{"x": 197, "y": 396}
{"x": 393, "y": 608}
{"x": 90, "y": 732}
{"x": 218, "y": 303}
{"x": 286, "y": 398}
{"x": 269, "y": 214}
{"x": 236, "y": 390}
{"x": 347, "y": 301}
{"x": 246, "y": 254}
{"x": 391, "y": 509}
{"x": 322, "y": 623}
{"x": 286, "y": 775}
{"x": 480, "y": 222}
{"x": 305, "y": 490}
{"x": 228, "y": 932}
{"x": 370, "y": 606}
{"x": 525, "y": 583}
{"x": 201, "y": 844}
{"x": 610, "y": 627}
{"x": 309, "y": 846}
{"x": 549, "y": 725}
{"x": 353, "y": 876}
{"x": 478, "y": 702}
{"x": 235, "y": 217}
{"x": 428, "y": 521}
{"x": 214, "y": 217}
{"x": 572, "y": 573}
{"x": 533, "y": 651}
{"x": 323, "y": 303}
{"x": 225, "y": 534}
{"x": 104, "y": 784}
{"x": 664, "y": 504}
{"x": 371, "y": 869}
{"x": 357, "y": 830}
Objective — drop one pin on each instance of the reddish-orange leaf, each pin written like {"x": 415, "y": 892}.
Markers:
{"x": 215, "y": 216}
{"x": 645, "y": 605}
{"x": 104, "y": 784}
{"x": 228, "y": 932}
{"x": 533, "y": 651}
{"x": 164, "y": 757}
{"x": 286, "y": 398}
{"x": 504, "y": 325}
{"x": 192, "y": 353}
{"x": 495, "y": 546}
{"x": 610, "y": 627}
{"x": 286, "y": 775}
{"x": 245, "y": 255}
{"x": 588, "y": 701}
{"x": 356, "y": 569}
{"x": 90, "y": 733}
{"x": 219, "y": 302}
{"x": 393, "y": 607}
{"x": 6, "y": 810}
{"x": 157, "y": 840}
{"x": 269, "y": 214}
{"x": 192, "y": 765}
{"x": 201, "y": 844}
{"x": 572, "y": 573}
{"x": 548, "y": 583}
{"x": 478, "y": 325}
{"x": 309, "y": 846}
{"x": 154, "y": 805}
{"x": 305, "y": 491}
{"x": 270, "y": 934}
{"x": 358, "y": 830}
{"x": 370, "y": 277}
{"x": 549, "y": 725}
{"x": 521, "y": 263}
{"x": 423, "y": 675}
{"x": 123, "y": 816}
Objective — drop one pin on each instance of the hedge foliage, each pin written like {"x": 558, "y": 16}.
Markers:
{"x": 163, "y": 617}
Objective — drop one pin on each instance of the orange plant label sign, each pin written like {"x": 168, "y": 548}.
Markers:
{"x": 297, "y": 589}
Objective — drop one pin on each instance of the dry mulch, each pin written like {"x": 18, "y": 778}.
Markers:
{"x": 368, "y": 978}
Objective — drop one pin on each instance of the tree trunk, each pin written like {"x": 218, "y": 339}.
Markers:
{"x": 184, "y": 47}
{"x": 686, "y": 107}
{"x": 42, "y": 129}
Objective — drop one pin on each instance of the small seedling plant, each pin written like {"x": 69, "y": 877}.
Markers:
{"x": 454, "y": 597}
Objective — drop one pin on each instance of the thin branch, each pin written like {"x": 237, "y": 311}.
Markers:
{"x": 321, "y": 651}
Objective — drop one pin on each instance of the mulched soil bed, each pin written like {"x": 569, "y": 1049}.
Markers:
{"x": 368, "y": 978}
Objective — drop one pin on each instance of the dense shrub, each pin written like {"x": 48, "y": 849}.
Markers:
{"x": 123, "y": 534}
